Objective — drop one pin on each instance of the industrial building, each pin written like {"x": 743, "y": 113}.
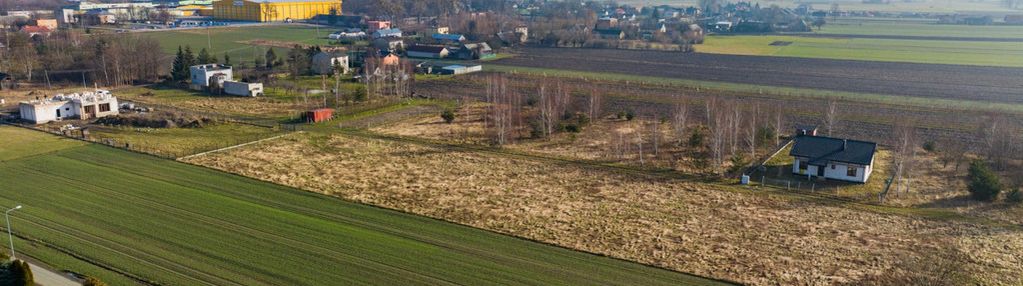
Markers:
{"x": 273, "y": 10}
{"x": 69, "y": 106}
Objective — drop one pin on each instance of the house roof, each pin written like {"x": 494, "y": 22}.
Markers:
{"x": 450, "y": 37}
{"x": 608, "y": 31}
{"x": 426, "y": 49}
{"x": 482, "y": 46}
{"x": 820, "y": 150}
{"x": 388, "y": 31}
{"x": 35, "y": 29}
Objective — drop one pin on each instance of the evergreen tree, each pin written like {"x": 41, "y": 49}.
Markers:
{"x": 271, "y": 59}
{"x": 298, "y": 61}
{"x": 205, "y": 58}
{"x": 227, "y": 59}
{"x": 984, "y": 184}
{"x": 178, "y": 70}
{"x": 189, "y": 58}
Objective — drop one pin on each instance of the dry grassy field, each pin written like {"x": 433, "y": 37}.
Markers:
{"x": 750, "y": 236}
{"x": 606, "y": 140}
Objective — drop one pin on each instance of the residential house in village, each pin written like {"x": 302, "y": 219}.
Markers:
{"x": 326, "y": 62}
{"x": 438, "y": 30}
{"x": 387, "y": 33}
{"x": 389, "y": 44}
{"x": 833, "y": 158}
{"x": 36, "y": 31}
{"x": 376, "y": 25}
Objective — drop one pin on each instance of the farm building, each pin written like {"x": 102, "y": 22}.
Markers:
{"x": 433, "y": 52}
{"x": 69, "y": 106}
{"x": 459, "y": 69}
{"x": 387, "y": 33}
{"x": 833, "y": 158}
{"x": 613, "y": 34}
{"x": 449, "y": 37}
{"x": 318, "y": 115}
{"x": 475, "y": 51}
{"x": 326, "y": 62}
{"x": 273, "y": 10}
{"x": 205, "y": 76}
{"x": 243, "y": 88}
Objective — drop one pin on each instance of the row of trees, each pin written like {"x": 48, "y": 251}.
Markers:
{"x": 111, "y": 60}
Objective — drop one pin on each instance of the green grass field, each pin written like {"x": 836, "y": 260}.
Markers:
{"x": 176, "y": 224}
{"x": 914, "y": 27}
{"x": 236, "y": 41}
{"x": 931, "y": 6}
{"x": 1008, "y": 54}
{"x": 178, "y": 142}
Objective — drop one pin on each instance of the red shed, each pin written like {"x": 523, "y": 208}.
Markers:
{"x": 319, "y": 115}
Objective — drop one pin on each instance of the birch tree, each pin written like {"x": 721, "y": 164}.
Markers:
{"x": 830, "y": 115}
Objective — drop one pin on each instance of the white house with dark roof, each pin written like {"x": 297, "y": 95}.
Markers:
{"x": 833, "y": 158}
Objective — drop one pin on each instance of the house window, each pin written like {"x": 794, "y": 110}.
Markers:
{"x": 104, "y": 107}
{"x": 851, "y": 172}
{"x": 833, "y": 166}
{"x": 803, "y": 165}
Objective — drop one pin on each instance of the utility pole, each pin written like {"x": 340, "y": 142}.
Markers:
{"x": 209, "y": 41}
{"x": 10, "y": 237}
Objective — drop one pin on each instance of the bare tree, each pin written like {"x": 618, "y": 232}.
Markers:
{"x": 779, "y": 123}
{"x": 751, "y": 131}
{"x": 595, "y": 104}
{"x": 553, "y": 104}
{"x": 1000, "y": 140}
{"x": 830, "y": 115}
{"x": 719, "y": 124}
{"x": 680, "y": 117}
{"x": 505, "y": 108}
{"x": 904, "y": 149}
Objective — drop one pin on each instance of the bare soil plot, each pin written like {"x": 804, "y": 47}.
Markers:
{"x": 922, "y": 80}
{"x": 718, "y": 231}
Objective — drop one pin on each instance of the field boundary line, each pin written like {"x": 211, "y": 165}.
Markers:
{"x": 232, "y": 147}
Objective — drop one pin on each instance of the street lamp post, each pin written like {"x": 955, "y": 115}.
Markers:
{"x": 10, "y": 236}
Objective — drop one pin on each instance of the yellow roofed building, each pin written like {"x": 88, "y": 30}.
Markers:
{"x": 273, "y": 10}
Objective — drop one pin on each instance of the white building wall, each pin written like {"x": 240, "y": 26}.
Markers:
{"x": 839, "y": 171}
{"x": 201, "y": 74}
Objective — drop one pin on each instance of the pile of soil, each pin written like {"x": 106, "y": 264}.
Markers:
{"x": 162, "y": 119}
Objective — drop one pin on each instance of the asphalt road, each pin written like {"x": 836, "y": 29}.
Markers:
{"x": 998, "y": 84}
{"x": 47, "y": 277}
